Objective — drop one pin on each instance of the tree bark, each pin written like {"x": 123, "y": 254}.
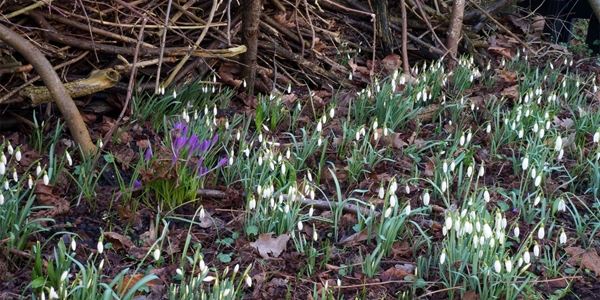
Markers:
{"x": 55, "y": 86}
{"x": 250, "y": 33}
{"x": 381, "y": 8}
{"x": 455, "y": 29}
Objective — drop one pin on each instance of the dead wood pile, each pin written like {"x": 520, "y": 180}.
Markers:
{"x": 301, "y": 43}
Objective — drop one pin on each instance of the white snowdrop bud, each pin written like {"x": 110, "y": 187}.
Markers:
{"x": 407, "y": 209}
{"x": 52, "y": 294}
{"x": 561, "y": 206}
{"x": 516, "y": 230}
{"x": 486, "y": 195}
{"x": 426, "y": 198}
{"x": 156, "y": 254}
{"x": 100, "y": 247}
{"x": 73, "y": 244}
{"x": 393, "y": 200}
{"x": 311, "y": 211}
{"x": 443, "y": 257}
{"x": 525, "y": 162}
{"x": 2, "y": 168}
{"x": 536, "y": 201}
{"x": 388, "y": 212}
{"x": 469, "y": 171}
{"x": 488, "y": 129}
{"x": 208, "y": 278}
{"x": 526, "y": 257}
{"x": 597, "y": 136}
{"x": 497, "y": 266}
{"x": 558, "y": 144}
{"x": 461, "y": 140}
{"x": 15, "y": 176}
{"x": 18, "y": 154}
{"x": 1, "y": 199}
{"x": 29, "y": 181}
{"x": 252, "y": 204}
{"x": 538, "y": 180}
{"x": 541, "y": 232}
{"x": 444, "y": 185}
{"x": 38, "y": 169}
{"x": 536, "y": 250}
{"x": 448, "y": 222}
{"x": 563, "y": 237}
{"x": 68, "y": 156}
{"x": 487, "y": 231}
{"x": 508, "y": 265}
{"x": 300, "y": 225}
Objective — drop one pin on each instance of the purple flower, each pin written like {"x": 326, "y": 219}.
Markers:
{"x": 204, "y": 146}
{"x": 193, "y": 144}
{"x": 202, "y": 171}
{"x": 180, "y": 128}
{"x": 200, "y": 161}
{"x": 215, "y": 139}
{"x": 137, "y": 183}
{"x": 174, "y": 158}
{"x": 148, "y": 154}
{"x": 179, "y": 143}
{"x": 222, "y": 162}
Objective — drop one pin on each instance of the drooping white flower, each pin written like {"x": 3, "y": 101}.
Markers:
{"x": 563, "y": 237}
{"x": 426, "y": 198}
{"x": 508, "y": 265}
{"x": 558, "y": 144}
{"x": 1, "y": 199}
{"x": 100, "y": 247}
{"x": 68, "y": 156}
{"x": 443, "y": 257}
{"x": 486, "y": 195}
{"x": 516, "y": 230}
{"x": 156, "y": 254}
{"x": 300, "y": 225}
{"x": 526, "y": 257}
{"x": 525, "y": 162}
{"x": 52, "y": 294}
{"x": 497, "y": 266}
{"x": 38, "y": 169}
{"x": 536, "y": 250}
{"x": 561, "y": 206}
{"x": 541, "y": 232}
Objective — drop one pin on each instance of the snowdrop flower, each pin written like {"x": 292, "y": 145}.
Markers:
{"x": 1, "y": 199}
{"x": 444, "y": 185}
{"x": 73, "y": 245}
{"x": 407, "y": 209}
{"x": 381, "y": 192}
{"x": 300, "y": 225}
{"x": 29, "y": 181}
{"x": 18, "y": 154}
{"x": 38, "y": 169}
{"x": 558, "y": 144}
{"x": 526, "y": 257}
{"x": 541, "y": 232}
{"x": 538, "y": 180}
{"x": 461, "y": 140}
{"x": 53, "y": 294}
{"x": 488, "y": 129}
{"x": 156, "y": 254}
{"x": 487, "y": 230}
{"x": 393, "y": 200}
{"x": 208, "y": 279}
{"x": 448, "y": 222}
{"x": 388, "y": 212}
{"x": 561, "y": 206}
{"x": 563, "y": 237}
{"x": 443, "y": 257}
{"x": 69, "y": 160}
{"x": 560, "y": 154}
{"x": 525, "y": 162}
{"x": 6, "y": 186}
{"x": 426, "y": 197}
{"x": 486, "y": 195}
{"x": 596, "y": 138}
{"x": 497, "y": 266}
{"x": 469, "y": 171}
{"x": 536, "y": 250}
{"x": 2, "y": 168}
{"x": 536, "y": 201}
{"x": 15, "y": 176}
{"x": 516, "y": 230}
{"x": 179, "y": 272}
{"x": 508, "y": 265}
{"x": 100, "y": 247}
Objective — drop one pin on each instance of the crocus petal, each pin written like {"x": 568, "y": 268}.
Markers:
{"x": 215, "y": 139}
{"x": 222, "y": 162}
{"x": 148, "y": 154}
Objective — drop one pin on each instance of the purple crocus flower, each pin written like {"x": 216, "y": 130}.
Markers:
{"x": 137, "y": 183}
{"x": 215, "y": 139}
{"x": 204, "y": 146}
{"x": 202, "y": 171}
{"x": 148, "y": 154}
{"x": 179, "y": 128}
{"x": 193, "y": 144}
{"x": 200, "y": 161}
{"x": 222, "y": 162}
{"x": 179, "y": 143}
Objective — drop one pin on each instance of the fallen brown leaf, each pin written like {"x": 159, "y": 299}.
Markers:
{"x": 587, "y": 259}
{"x": 266, "y": 244}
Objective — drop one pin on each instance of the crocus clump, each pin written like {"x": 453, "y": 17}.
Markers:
{"x": 175, "y": 172}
